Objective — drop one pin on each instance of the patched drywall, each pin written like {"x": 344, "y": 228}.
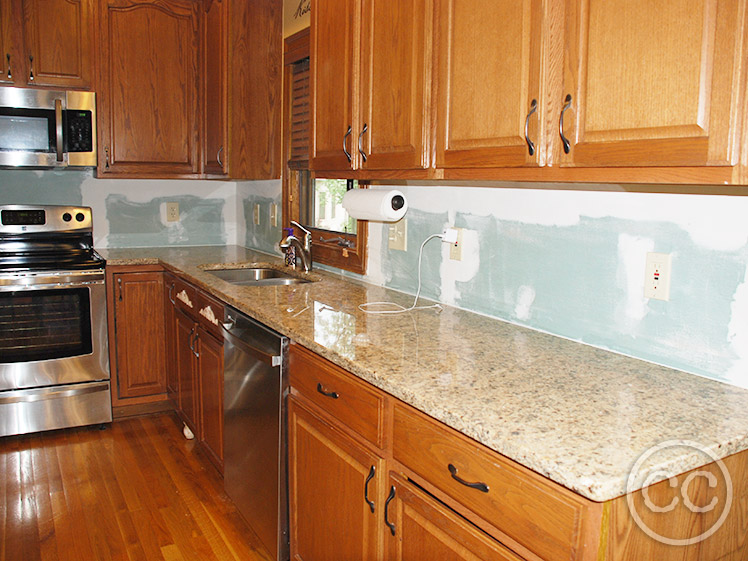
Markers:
{"x": 263, "y": 236}
{"x": 572, "y": 263}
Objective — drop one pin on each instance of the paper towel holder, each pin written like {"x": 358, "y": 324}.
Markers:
{"x": 378, "y": 205}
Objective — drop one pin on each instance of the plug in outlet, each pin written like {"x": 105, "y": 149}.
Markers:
{"x": 398, "y": 236}
{"x": 172, "y": 212}
{"x": 455, "y": 249}
{"x": 657, "y": 276}
{"x": 274, "y": 215}
{"x": 256, "y": 214}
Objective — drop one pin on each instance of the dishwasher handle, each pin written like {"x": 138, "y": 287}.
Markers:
{"x": 246, "y": 346}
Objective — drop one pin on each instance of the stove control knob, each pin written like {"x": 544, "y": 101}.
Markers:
{"x": 67, "y": 217}
{"x": 80, "y": 217}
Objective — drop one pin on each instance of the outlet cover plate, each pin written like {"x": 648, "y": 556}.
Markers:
{"x": 657, "y": 274}
{"x": 455, "y": 249}
{"x": 398, "y": 235}
{"x": 256, "y": 214}
{"x": 172, "y": 212}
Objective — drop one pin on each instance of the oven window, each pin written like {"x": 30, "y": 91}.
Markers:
{"x": 44, "y": 324}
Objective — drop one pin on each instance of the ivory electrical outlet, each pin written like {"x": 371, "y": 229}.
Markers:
{"x": 657, "y": 276}
{"x": 256, "y": 214}
{"x": 455, "y": 249}
{"x": 274, "y": 215}
{"x": 172, "y": 212}
{"x": 398, "y": 235}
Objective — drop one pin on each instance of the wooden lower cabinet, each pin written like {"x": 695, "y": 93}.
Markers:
{"x": 423, "y": 528}
{"x": 136, "y": 335}
{"x": 329, "y": 486}
{"x": 210, "y": 383}
{"x": 186, "y": 367}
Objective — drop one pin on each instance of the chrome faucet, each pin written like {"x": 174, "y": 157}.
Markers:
{"x": 303, "y": 250}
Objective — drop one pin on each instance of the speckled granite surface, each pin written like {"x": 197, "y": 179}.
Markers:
{"x": 578, "y": 415}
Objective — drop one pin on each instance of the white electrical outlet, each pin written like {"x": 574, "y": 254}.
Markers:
{"x": 172, "y": 212}
{"x": 455, "y": 249}
{"x": 256, "y": 214}
{"x": 274, "y": 215}
{"x": 657, "y": 276}
{"x": 398, "y": 235}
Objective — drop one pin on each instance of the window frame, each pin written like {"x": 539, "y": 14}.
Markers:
{"x": 296, "y": 49}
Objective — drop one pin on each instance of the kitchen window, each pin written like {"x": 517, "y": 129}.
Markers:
{"x": 316, "y": 203}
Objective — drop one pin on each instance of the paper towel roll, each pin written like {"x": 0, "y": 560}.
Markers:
{"x": 375, "y": 204}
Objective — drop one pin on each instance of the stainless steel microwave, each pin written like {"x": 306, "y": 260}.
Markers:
{"x": 47, "y": 128}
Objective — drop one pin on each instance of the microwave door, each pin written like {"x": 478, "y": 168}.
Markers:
{"x": 32, "y": 137}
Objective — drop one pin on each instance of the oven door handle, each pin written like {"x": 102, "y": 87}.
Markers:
{"x": 42, "y": 394}
{"x": 13, "y": 285}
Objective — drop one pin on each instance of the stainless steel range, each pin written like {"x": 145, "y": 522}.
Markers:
{"x": 54, "y": 360}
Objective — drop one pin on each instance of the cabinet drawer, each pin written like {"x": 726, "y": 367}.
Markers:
{"x": 337, "y": 392}
{"x": 540, "y": 515}
{"x": 209, "y": 313}
{"x": 184, "y": 297}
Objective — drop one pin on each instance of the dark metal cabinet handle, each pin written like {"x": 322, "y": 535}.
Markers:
{"x": 360, "y": 138}
{"x": 391, "y": 496}
{"x": 194, "y": 340}
{"x": 106, "y": 152}
{"x": 31, "y": 68}
{"x": 321, "y": 390}
{"x": 119, "y": 286}
{"x": 479, "y": 485}
{"x": 171, "y": 289}
{"x": 10, "y": 75}
{"x": 345, "y": 138}
{"x": 218, "y": 156}
{"x": 530, "y": 143}
{"x": 567, "y": 144}
{"x": 369, "y": 477}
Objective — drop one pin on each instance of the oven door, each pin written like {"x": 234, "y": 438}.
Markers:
{"x": 52, "y": 330}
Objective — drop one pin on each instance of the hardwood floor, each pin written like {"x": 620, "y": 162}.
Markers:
{"x": 134, "y": 491}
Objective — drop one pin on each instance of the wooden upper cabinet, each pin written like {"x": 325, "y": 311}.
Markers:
{"x": 148, "y": 105}
{"x": 653, "y": 84}
{"x": 488, "y": 80}
{"x": 395, "y": 84}
{"x": 59, "y": 43}
{"x": 334, "y": 53}
{"x": 214, "y": 76}
{"x": 9, "y": 42}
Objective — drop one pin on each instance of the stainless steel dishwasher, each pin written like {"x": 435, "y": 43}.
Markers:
{"x": 254, "y": 427}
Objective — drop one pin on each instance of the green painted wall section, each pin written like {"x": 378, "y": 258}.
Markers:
{"x": 42, "y": 187}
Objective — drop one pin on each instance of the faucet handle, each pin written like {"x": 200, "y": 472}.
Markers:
{"x": 300, "y": 227}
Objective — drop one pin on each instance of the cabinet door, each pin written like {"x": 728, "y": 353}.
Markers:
{"x": 214, "y": 76}
{"x": 487, "y": 75}
{"x": 424, "y": 529}
{"x": 334, "y": 58}
{"x": 139, "y": 329}
{"x": 170, "y": 335}
{"x": 395, "y": 83}
{"x": 653, "y": 84}
{"x": 10, "y": 39}
{"x": 186, "y": 369}
{"x": 59, "y": 43}
{"x": 328, "y": 477}
{"x": 148, "y": 105}
{"x": 210, "y": 375}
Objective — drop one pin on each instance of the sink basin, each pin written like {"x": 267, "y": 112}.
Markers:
{"x": 257, "y": 276}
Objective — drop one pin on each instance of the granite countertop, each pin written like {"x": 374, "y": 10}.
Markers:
{"x": 578, "y": 415}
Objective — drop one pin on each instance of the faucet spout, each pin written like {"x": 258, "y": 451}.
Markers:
{"x": 303, "y": 250}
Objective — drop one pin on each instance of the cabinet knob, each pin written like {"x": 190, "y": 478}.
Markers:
{"x": 530, "y": 143}
{"x": 567, "y": 144}
{"x": 360, "y": 137}
{"x": 345, "y": 138}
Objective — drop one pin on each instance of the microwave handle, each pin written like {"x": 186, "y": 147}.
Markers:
{"x": 58, "y": 128}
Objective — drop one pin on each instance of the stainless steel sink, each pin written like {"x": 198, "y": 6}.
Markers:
{"x": 257, "y": 276}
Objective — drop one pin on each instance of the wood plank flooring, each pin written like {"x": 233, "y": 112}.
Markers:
{"x": 134, "y": 491}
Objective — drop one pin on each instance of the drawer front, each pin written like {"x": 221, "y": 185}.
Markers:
{"x": 342, "y": 395}
{"x": 543, "y": 517}
{"x": 184, "y": 297}
{"x": 209, "y": 313}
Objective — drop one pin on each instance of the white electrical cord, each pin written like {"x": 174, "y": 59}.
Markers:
{"x": 397, "y": 308}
